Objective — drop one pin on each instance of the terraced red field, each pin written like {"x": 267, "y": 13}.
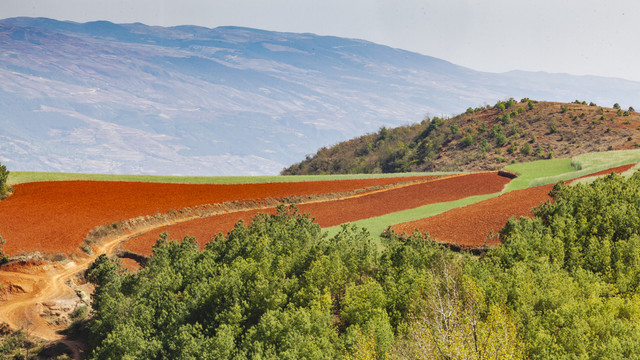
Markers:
{"x": 55, "y": 217}
{"x": 335, "y": 212}
{"x": 470, "y": 226}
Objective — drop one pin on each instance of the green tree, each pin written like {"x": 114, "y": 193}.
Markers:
{"x": 616, "y": 106}
{"x": 4, "y": 174}
{"x": 3, "y": 256}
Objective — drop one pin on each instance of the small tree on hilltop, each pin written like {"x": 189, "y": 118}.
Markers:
{"x": 4, "y": 174}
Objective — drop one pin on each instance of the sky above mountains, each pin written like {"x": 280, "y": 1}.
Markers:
{"x": 560, "y": 36}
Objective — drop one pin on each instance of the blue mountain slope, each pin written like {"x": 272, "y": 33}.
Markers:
{"x": 130, "y": 98}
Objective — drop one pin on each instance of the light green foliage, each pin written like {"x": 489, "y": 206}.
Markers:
{"x": 3, "y": 256}
{"x": 467, "y": 141}
{"x": 572, "y": 273}
{"x": 4, "y": 175}
{"x": 18, "y": 177}
{"x": 454, "y": 321}
{"x": 533, "y": 171}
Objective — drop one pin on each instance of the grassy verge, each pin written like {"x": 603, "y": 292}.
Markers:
{"x": 377, "y": 225}
{"x": 18, "y": 177}
{"x": 531, "y": 172}
{"x": 593, "y": 162}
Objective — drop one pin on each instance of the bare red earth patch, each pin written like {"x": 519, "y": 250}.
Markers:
{"x": 471, "y": 226}
{"x": 335, "y": 212}
{"x": 55, "y": 217}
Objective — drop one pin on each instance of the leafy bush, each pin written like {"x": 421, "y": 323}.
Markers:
{"x": 467, "y": 141}
{"x": 3, "y": 256}
{"x": 4, "y": 175}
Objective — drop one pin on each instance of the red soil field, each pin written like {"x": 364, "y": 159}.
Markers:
{"x": 55, "y": 217}
{"x": 470, "y": 226}
{"x": 335, "y": 212}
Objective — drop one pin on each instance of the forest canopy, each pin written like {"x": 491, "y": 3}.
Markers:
{"x": 563, "y": 285}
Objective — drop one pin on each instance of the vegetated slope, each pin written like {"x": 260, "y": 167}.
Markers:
{"x": 484, "y": 138}
{"x": 55, "y": 217}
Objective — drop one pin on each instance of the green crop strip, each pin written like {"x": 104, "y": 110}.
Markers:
{"x": 18, "y": 177}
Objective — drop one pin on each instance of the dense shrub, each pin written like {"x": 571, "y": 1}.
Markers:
{"x": 4, "y": 175}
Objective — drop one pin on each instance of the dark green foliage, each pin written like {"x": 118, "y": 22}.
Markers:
{"x": 616, "y": 106}
{"x": 275, "y": 289}
{"x": 467, "y": 141}
{"x": 563, "y": 285}
{"x": 3, "y": 256}
{"x": 4, "y": 175}
{"x": 501, "y": 140}
{"x": 509, "y": 103}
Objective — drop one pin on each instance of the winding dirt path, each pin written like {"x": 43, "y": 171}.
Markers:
{"x": 23, "y": 311}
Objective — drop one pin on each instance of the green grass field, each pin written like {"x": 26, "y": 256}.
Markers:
{"x": 18, "y": 177}
{"x": 377, "y": 225}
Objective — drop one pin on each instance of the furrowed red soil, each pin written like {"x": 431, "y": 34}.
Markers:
{"x": 55, "y": 217}
{"x": 471, "y": 226}
{"x": 335, "y": 212}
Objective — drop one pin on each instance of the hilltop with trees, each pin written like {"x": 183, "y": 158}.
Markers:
{"x": 483, "y": 138}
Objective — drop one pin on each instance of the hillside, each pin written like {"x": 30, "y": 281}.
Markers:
{"x": 485, "y": 138}
{"x": 100, "y": 97}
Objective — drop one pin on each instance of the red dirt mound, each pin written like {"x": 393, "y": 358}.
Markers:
{"x": 335, "y": 212}
{"x": 55, "y": 217}
{"x": 470, "y": 226}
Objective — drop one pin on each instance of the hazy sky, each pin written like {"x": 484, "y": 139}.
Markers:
{"x": 598, "y": 37}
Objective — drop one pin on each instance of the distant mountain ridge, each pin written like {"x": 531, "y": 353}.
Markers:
{"x": 187, "y": 100}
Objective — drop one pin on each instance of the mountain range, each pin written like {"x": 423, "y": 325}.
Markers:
{"x": 100, "y": 97}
